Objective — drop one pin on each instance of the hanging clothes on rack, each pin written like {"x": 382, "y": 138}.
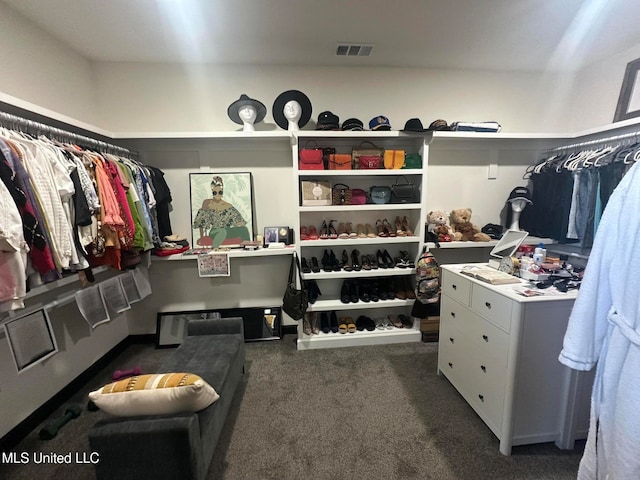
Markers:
{"x": 572, "y": 185}
{"x": 76, "y": 203}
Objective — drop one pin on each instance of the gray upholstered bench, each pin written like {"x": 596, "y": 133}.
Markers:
{"x": 179, "y": 446}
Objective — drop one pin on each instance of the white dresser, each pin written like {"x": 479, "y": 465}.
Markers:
{"x": 500, "y": 351}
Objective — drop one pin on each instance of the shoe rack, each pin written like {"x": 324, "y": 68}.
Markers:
{"x": 353, "y": 246}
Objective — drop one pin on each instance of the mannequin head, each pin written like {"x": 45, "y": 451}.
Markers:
{"x": 517, "y": 206}
{"x": 248, "y": 115}
{"x": 292, "y": 112}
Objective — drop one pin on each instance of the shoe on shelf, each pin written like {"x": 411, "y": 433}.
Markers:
{"x": 313, "y": 290}
{"x": 360, "y": 230}
{"x": 398, "y": 288}
{"x": 382, "y": 263}
{"x": 333, "y": 322}
{"x": 407, "y": 322}
{"x": 349, "y": 230}
{"x": 405, "y": 226}
{"x": 369, "y": 324}
{"x": 364, "y": 261}
{"x": 379, "y": 323}
{"x": 327, "y": 265}
{"x": 324, "y": 230}
{"x": 345, "y": 261}
{"x": 387, "y": 259}
{"x": 334, "y": 262}
{"x": 408, "y": 289}
{"x": 306, "y": 323}
{"x": 370, "y": 231}
{"x": 342, "y": 325}
{"x": 304, "y": 234}
{"x": 407, "y": 259}
{"x": 342, "y": 231}
{"x": 333, "y": 234}
{"x": 372, "y": 261}
{"x": 373, "y": 292}
{"x": 315, "y": 268}
{"x": 312, "y": 233}
{"x": 364, "y": 292}
{"x": 360, "y": 322}
{"x": 355, "y": 262}
{"x": 395, "y": 321}
{"x": 382, "y": 230}
{"x": 305, "y": 266}
{"x": 351, "y": 327}
{"x": 354, "y": 292}
{"x": 399, "y": 230}
{"x": 391, "y": 232}
{"x": 399, "y": 262}
{"x": 387, "y": 323}
{"x": 315, "y": 323}
{"x": 324, "y": 322}
{"x": 345, "y": 294}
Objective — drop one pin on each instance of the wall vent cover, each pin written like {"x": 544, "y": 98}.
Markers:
{"x": 354, "y": 50}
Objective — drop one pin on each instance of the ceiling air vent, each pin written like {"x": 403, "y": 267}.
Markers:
{"x": 353, "y": 50}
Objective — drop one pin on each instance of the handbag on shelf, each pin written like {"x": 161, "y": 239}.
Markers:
{"x": 367, "y": 157}
{"x": 341, "y": 195}
{"x": 358, "y": 196}
{"x": 340, "y": 161}
{"x": 295, "y": 300}
{"x": 327, "y": 152}
{"x": 404, "y": 192}
{"x": 393, "y": 159}
{"x": 310, "y": 158}
{"x": 412, "y": 160}
{"x": 380, "y": 194}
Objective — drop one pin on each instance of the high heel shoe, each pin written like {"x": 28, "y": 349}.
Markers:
{"x": 324, "y": 230}
{"x": 370, "y": 232}
{"x": 335, "y": 265}
{"x": 349, "y": 230}
{"x": 345, "y": 261}
{"x": 389, "y": 229}
{"x": 372, "y": 261}
{"x": 355, "y": 263}
{"x": 360, "y": 230}
{"x": 342, "y": 231}
{"x": 327, "y": 263}
{"x": 312, "y": 233}
{"x": 304, "y": 234}
{"x": 387, "y": 259}
{"x": 399, "y": 231}
{"x": 315, "y": 268}
{"x": 364, "y": 261}
{"x": 382, "y": 263}
{"x": 333, "y": 234}
{"x": 405, "y": 226}
{"x": 382, "y": 231}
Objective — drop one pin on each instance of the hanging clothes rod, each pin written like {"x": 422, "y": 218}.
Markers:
{"x": 15, "y": 122}
{"x": 599, "y": 141}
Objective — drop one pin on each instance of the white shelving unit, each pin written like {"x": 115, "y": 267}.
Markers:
{"x": 330, "y": 283}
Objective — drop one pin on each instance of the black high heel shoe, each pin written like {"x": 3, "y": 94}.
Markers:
{"x": 387, "y": 259}
{"x": 355, "y": 262}
{"x": 334, "y": 262}
{"x": 333, "y": 234}
{"x": 327, "y": 263}
{"x": 345, "y": 261}
{"x": 380, "y": 259}
{"x": 315, "y": 268}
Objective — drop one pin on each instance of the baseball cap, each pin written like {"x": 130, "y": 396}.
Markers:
{"x": 379, "y": 123}
{"x": 352, "y": 124}
{"x": 520, "y": 193}
{"x": 328, "y": 121}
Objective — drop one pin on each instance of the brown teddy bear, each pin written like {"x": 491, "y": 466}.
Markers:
{"x": 463, "y": 229}
{"x": 438, "y": 223}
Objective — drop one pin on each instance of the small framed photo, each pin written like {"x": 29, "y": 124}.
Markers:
{"x": 276, "y": 234}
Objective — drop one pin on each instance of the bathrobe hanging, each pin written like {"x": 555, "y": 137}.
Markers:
{"x": 604, "y": 328}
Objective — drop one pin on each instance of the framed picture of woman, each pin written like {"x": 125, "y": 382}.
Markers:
{"x": 221, "y": 209}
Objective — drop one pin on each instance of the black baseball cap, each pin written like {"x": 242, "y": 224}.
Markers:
{"x": 520, "y": 193}
{"x": 328, "y": 121}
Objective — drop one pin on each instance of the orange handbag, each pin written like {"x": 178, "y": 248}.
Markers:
{"x": 393, "y": 159}
{"x": 340, "y": 161}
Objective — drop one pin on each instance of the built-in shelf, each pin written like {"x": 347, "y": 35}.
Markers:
{"x": 378, "y": 272}
{"x": 359, "y": 173}
{"x": 336, "y": 304}
{"x": 233, "y": 253}
{"x": 363, "y": 208}
{"x": 359, "y": 241}
{"x": 375, "y": 337}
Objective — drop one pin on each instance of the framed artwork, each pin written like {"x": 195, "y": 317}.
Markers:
{"x": 31, "y": 339}
{"x": 629, "y": 98}
{"x": 275, "y": 235}
{"x": 221, "y": 209}
{"x": 213, "y": 265}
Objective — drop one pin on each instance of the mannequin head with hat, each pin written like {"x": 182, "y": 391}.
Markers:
{"x": 247, "y": 111}
{"x": 291, "y": 110}
{"x": 247, "y": 114}
{"x": 519, "y": 198}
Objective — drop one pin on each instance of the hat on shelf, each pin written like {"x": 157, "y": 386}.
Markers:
{"x": 243, "y": 101}
{"x": 286, "y": 97}
{"x": 438, "y": 125}
{"x": 352, "y": 124}
{"x": 414, "y": 125}
{"x": 520, "y": 193}
{"x": 379, "y": 123}
{"x": 328, "y": 121}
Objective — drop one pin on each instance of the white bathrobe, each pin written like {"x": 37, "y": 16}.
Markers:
{"x": 604, "y": 328}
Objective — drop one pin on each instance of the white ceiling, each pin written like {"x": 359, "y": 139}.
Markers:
{"x": 529, "y": 35}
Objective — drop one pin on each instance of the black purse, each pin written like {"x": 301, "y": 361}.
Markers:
{"x": 404, "y": 192}
{"x": 295, "y": 300}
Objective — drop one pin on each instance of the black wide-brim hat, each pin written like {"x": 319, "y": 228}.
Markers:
{"x": 281, "y": 100}
{"x": 414, "y": 125}
{"x": 232, "y": 111}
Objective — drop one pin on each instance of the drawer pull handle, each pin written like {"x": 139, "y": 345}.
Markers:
{"x": 450, "y": 364}
{"x": 451, "y": 340}
{"x": 481, "y": 397}
{"x": 487, "y": 304}
{"x": 483, "y": 368}
{"x": 454, "y": 286}
{"x": 485, "y": 338}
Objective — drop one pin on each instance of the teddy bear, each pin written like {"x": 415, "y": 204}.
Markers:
{"x": 438, "y": 223}
{"x": 463, "y": 229}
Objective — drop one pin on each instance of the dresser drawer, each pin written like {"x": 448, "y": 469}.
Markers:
{"x": 488, "y": 339}
{"x": 456, "y": 287}
{"x": 492, "y": 306}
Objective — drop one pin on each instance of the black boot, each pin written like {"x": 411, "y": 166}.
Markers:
{"x": 324, "y": 322}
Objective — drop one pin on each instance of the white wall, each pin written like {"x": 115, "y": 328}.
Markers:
{"x": 135, "y": 97}
{"x": 41, "y": 70}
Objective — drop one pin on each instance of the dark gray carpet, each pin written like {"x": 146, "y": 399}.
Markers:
{"x": 377, "y": 412}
